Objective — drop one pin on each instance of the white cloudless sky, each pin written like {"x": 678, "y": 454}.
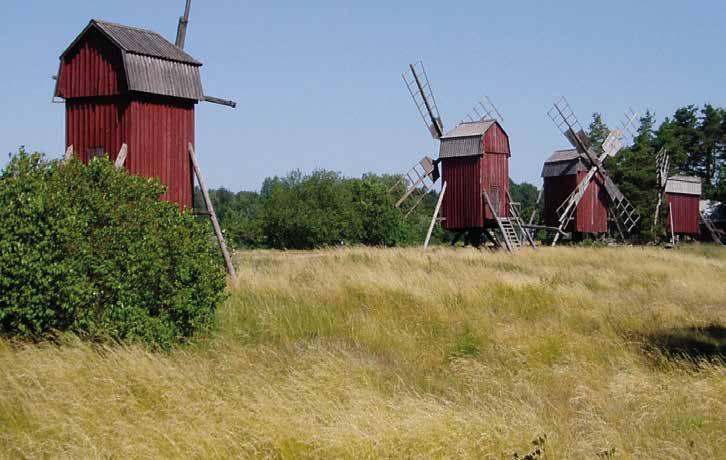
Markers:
{"x": 318, "y": 84}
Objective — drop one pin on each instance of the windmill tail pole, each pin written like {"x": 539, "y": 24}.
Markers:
{"x": 212, "y": 214}
{"x": 181, "y": 31}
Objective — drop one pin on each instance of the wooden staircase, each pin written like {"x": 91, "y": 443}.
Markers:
{"x": 510, "y": 234}
{"x": 510, "y": 227}
{"x": 715, "y": 233}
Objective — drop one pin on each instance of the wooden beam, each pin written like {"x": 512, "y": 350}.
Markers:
{"x": 181, "y": 30}
{"x": 436, "y": 214}
{"x": 216, "y": 100}
{"x": 68, "y": 155}
{"x": 673, "y": 233}
{"x": 212, "y": 214}
{"x": 121, "y": 157}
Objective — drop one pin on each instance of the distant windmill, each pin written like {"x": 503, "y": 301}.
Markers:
{"x": 623, "y": 212}
{"x": 474, "y": 157}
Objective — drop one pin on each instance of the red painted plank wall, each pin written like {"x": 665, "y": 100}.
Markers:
{"x": 93, "y": 68}
{"x": 556, "y": 191}
{"x": 685, "y": 213}
{"x": 96, "y": 125}
{"x": 159, "y": 130}
{"x": 496, "y": 140}
{"x": 591, "y": 214}
{"x": 462, "y": 205}
{"x": 495, "y": 177}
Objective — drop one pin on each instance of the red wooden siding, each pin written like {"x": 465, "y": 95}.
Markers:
{"x": 556, "y": 190}
{"x": 592, "y": 214}
{"x": 685, "y": 213}
{"x": 495, "y": 177}
{"x": 93, "y": 68}
{"x": 496, "y": 140}
{"x": 93, "y": 124}
{"x": 462, "y": 205}
{"x": 159, "y": 130}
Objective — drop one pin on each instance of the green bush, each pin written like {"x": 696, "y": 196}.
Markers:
{"x": 90, "y": 249}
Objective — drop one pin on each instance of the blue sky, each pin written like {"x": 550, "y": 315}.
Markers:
{"x": 318, "y": 84}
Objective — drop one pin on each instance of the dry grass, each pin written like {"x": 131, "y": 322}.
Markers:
{"x": 390, "y": 353}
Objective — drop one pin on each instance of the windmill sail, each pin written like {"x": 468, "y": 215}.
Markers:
{"x": 485, "y": 110}
{"x": 567, "y": 123}
{"x": 417, "y": 82}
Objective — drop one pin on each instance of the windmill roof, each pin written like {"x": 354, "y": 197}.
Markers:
{"x": 685, "y": 185}
{"x": 564, "y": 155}
{"x": 469, "y": 129}
{"x": 151, "y": 63}
{"x": 139, "y": 41}
{"x": 691, "y": 179}
{"x": 563, "y": 163}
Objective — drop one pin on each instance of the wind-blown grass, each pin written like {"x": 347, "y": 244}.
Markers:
{"x": 589, "y": 352}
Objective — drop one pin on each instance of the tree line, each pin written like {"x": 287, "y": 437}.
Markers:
{"x": 325, "y": 208}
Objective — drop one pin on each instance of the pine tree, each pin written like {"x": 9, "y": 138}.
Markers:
{"x": 598, "y": 131}
{"x": 634, "y": 171}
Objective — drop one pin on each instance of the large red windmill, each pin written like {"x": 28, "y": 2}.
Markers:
{"x": 131, "y": 94}
{"x": 474, "y": 160}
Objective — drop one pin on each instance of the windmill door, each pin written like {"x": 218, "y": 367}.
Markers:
{"x": 494, "y": 194}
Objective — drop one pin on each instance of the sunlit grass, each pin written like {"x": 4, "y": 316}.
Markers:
{"x": 391, "y": 353}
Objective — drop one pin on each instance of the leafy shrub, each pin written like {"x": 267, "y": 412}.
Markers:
{"x": 91, "y": 250}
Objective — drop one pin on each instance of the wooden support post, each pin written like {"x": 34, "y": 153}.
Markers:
{"x": 68, "y": 155}
{"x": 436, "y": 214}
{"x": 673, "y": 233}
{"x": 121, "y": 157}
{"x": 212, "y": 214}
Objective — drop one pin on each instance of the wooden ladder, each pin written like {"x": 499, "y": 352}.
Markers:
{"x": 711, "y": 228}
{"x": 510, "y": 233}
{"x": 516, "y": 219}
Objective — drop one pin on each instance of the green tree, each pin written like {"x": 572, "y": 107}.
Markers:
{"x": 597, "y": 132}
{"x": 634, "y": 171}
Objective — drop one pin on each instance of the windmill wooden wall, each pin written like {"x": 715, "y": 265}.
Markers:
{"x": 686, "y": 216}
{"x": 126, "y": 85}
{"x": 562, "y": 173}
{"x": 467, "y": 176}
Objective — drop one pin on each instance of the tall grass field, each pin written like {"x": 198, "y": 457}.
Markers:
{"x": 391, "y": 353}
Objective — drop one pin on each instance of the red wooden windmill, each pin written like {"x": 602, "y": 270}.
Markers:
{"x": 474, "y": 159}
{"x": 131, "y": 94}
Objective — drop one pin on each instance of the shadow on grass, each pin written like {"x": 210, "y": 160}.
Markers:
{"x": 696, "y": 343}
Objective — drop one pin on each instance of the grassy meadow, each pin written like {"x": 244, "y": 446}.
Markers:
{"x": 368, "y": 353}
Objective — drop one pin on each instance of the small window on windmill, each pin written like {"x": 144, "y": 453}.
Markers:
{"x": 494, "y": 195}
{"x": 93, "y": 152}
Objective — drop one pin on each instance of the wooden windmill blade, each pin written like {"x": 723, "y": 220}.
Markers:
{"x": 420, "y": 178}
{"x": 567, "y": 123}
{"x": 485, "y": 110}
{"x": 662, "y": 161}
{"x": 181, "y": 30}
{"x": 417, "y": 82}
